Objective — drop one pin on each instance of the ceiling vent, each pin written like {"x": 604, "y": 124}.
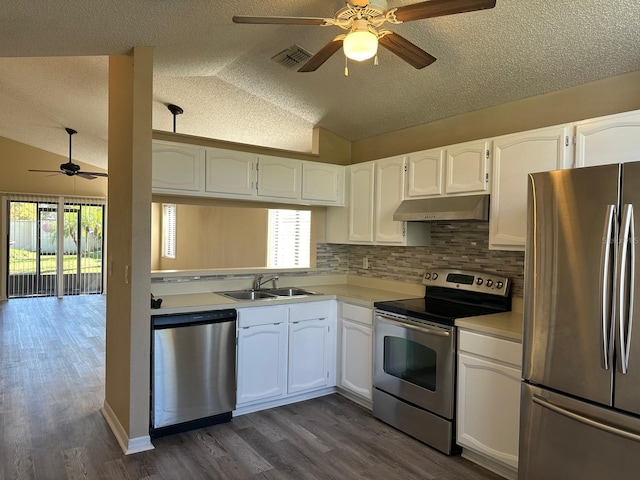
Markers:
{"x": 292, "y": 57}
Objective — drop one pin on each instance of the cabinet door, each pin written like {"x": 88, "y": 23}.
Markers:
{"x": 177, "y": 167}
{"x": 361, "y": 202}
{"x": 262, "y": 361}
{"x": 356, "y": 358}
{"x": 607, "y": 140}
{"x": 309, "y": 350}
{"x": 323, "y": 183}
{"x": 389, "y": 193}
{"x": 425, "y": 173}
{"x": 515, "y": 156}
{"x": 467, "y": 167}
{"x": 230, "y": 172}
{"x": 279, "y": 177}
{"x": 489, "y": 408}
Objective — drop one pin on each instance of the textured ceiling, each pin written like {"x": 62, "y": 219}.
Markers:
{"x": 53, "y": 67}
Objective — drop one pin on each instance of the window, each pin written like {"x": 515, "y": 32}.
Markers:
{"x": 169, "y": 230}
{"x": 289, "y": 238}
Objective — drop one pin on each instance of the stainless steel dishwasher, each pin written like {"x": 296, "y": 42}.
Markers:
{"x": 193, "y": 370}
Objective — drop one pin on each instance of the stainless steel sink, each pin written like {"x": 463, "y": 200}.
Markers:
{"x": 288, "y": 292}
{"x": 248, "y": 295}
{"x": 266, "y": 294}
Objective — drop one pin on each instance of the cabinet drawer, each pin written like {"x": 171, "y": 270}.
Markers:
{"x": 310, "y": 311}
{"x": 506, "y": 351}
{"x": 357, "y": 314}
{"x": 249, "y": 317}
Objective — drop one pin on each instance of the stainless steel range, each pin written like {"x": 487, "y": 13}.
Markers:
{"x": 415, "y": 352}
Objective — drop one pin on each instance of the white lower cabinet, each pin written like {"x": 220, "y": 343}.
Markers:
{"x": 284, "y": 352}
{"x": 312, "y": 346}
{"x": 356, "y": 350}
{"x": 262, "y": 361}
{"x": 488, "y": 413}
{"x": 308, "y": 355}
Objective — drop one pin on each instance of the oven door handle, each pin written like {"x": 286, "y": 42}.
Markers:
{"x": 430, "y": 331}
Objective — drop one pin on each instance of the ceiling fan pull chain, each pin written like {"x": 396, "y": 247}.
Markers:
{"x": 375, "y": 60}
{"x": 346, "y": 66}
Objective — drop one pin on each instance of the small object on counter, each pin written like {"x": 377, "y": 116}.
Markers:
{"x": 155, "y": 302}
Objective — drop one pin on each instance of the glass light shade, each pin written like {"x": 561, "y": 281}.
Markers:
{"x": 360, "y": 45}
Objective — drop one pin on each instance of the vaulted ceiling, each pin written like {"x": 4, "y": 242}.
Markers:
{"x": 53, "y": 67}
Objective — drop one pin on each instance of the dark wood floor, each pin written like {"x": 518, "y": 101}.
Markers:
{"x": 52, "y": 386}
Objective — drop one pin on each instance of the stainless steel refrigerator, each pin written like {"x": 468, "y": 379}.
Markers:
{"x": 580, "y": 411}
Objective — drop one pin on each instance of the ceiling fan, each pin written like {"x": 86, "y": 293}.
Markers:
{"x": 71, "y": 168}
{"x": 363, "y": 19}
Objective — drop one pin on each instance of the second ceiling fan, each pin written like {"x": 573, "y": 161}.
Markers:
{"x": 363, "y": 19}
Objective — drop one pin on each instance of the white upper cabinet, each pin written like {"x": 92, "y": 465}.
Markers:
{"x": 607, "y": 140}
{"x": 389, "y": 188}
{"x": 515, "y": 156}
{"x": 374, "y": 191}
{"x": 467, "y": 167}
{"x": 361, "y": 188}
{"x": 453, "y": 170}
{"x": 177, "y": 168}
{"x": 425, "y": 173}
{"x": 279, "y": 177}
{"x": 230, "y": 172}
{"x": 323, "y": 183}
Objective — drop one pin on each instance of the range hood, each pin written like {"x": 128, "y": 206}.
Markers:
{"x": 471, "y": 207}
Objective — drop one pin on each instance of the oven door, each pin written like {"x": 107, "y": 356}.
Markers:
{"x": 415, "y": 362}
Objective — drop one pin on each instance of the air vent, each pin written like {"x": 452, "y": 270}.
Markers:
{"x": 292, "y": 57}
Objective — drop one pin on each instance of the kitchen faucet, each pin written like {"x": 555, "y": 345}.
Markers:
{"x": 258, "y": 282}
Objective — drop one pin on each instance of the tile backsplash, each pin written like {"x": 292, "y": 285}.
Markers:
{"x": 462, "y": 245}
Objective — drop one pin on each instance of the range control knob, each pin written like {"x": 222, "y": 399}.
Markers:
{"x": 427, "y": 276}
{"x": 434, "y": 276}
{"x": 489, "y": 283}
{"x": 499, "y": 285}
{"x": 479, "y": 281}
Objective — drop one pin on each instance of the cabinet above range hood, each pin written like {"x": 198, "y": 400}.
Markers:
{"x": 471, "y": 207}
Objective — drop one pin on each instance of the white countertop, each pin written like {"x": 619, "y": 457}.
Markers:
{"x": 195, "y": 302}
{"x": 507, "y": 324}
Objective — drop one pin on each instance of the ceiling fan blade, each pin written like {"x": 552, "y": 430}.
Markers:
{"x": 323, "y": 55}
{"x": 94, "y": 174}
{"x": 86, "y": 175}
{"x": 439, "y": 8}
{"x": 279, "y": 20}
{"x": 45, "y": 171}
{"x": 406, "y": 50}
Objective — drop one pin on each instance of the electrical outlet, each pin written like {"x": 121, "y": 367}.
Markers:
{"x": 365, "y": 263}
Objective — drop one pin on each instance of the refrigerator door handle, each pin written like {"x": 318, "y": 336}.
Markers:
{"x": 543, "y": 402}
{"x": 607, "y": 312}
{"x": 627, "y": 259}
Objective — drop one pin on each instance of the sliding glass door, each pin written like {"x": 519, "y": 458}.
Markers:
{"x": 51, "y": 254}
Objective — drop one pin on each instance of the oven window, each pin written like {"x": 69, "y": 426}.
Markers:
{"x": 410, "y": 361}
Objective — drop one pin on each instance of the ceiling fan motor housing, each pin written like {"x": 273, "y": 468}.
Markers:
{"x": 70, "y": 168}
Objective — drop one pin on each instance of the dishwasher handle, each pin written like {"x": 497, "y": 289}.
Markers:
{"x": 161, "y": 322}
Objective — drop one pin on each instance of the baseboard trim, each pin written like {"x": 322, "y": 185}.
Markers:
{"x": 128, "y": 445}
{"x": 355, "y": 398}
{"x": 264, "y": 405}
{"x": 505, "y": 471}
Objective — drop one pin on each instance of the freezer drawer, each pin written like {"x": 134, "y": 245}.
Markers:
{"x": 566, "y": 439}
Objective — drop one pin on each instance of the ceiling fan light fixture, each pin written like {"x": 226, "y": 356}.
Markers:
{"x": 360, "y": 43}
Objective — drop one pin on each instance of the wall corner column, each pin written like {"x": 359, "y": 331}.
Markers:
{"x": 128, "y": 341}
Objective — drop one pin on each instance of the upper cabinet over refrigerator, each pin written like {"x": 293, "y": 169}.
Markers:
{"x": 607, "y": 140}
